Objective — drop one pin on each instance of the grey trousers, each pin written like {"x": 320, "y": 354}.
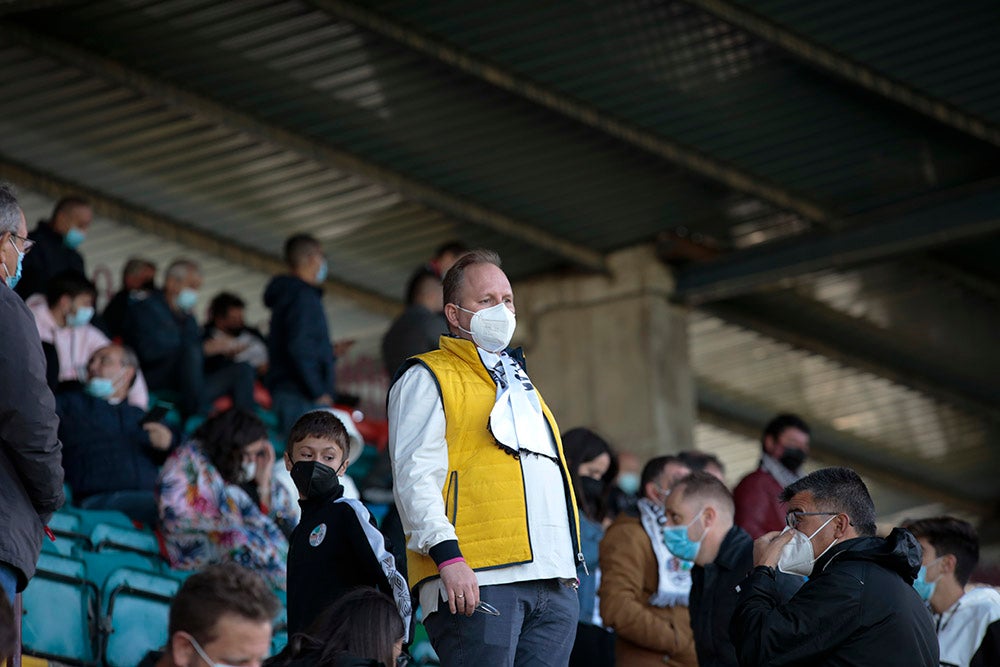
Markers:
{"x": 536, "y": 626}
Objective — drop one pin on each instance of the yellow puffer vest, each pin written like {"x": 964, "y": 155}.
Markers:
{"x": 484, "y": 493}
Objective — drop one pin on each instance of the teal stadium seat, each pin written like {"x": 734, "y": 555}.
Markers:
{"x": 60, "y": 614}
{"x": 137, "y": 610}
{"x": 109, "y": 537}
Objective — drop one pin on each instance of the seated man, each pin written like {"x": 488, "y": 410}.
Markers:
{"x": 968, "y": 623}
{"x": 137, "y": 276}
{"x": 164, "y": 333}
{"x": 857, "y": 607}
{"x": 110, "y": 457}
{"x": 63, "y": 317}
{"x": 644, "y": 589}
{"x": 220, "y": 616}
{"x": 228, "y": 340}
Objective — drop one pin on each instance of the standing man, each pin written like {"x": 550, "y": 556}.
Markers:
{"x": 300, "y": 352}
{"x": 418, "y": 328}
{"x": 56, "y": 243}
{"x": 31, "y": 474}
{"x": 785, "y": 447}
{"x": 482, "y": 486}
{"x": 644, "y": 588}
{"x": 967, "y": 623}
{"x": 858, "y": 606}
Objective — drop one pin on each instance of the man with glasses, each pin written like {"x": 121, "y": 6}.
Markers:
{"x": 221, "y": 617}
{"x": 56, "y": 243}
{"x": 31, "y": 474}
{"x": 858, "y": 605}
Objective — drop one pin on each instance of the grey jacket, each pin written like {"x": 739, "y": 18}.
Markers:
{"x": 31, "y": 474}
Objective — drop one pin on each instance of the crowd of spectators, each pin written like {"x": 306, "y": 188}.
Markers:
{"x": 160, "y": 417}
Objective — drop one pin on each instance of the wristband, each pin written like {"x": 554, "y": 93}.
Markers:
{"x": 450, "y": 561}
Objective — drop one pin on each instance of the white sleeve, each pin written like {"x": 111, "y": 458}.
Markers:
{"x": 419, "y": 455}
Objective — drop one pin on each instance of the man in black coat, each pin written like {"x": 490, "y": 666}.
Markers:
{"x": 31, "y": 473}
{"x": 56, "y": 243}
{"x": 418, "y": 328}
{"x": 858, "y": 606}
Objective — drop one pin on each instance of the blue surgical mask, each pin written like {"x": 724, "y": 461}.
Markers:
{"x": 12, "y": 280}
{"x": 101, "y": 387}
{"x": 680, "y": 545}
{"x": 74, "y": 237}
{"x": 322, "y": 272}
{"x": 925, "y": 589}
{"x": 629, "y": 482}
{"x": 187, "y": 299}
{"x": 81, "y": 317}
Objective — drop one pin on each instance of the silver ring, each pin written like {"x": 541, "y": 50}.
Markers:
{"x": 460, "y": 595}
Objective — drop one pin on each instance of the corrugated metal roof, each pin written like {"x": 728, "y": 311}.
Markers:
{"x": 905, "y": 423}
{"x": 912, "y": 43}
{"x": 684, "y": 74}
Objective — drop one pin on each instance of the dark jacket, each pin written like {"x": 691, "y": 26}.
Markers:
{"x": 218, "y": 362}
{"x": 161, "y": 338}
{"x": 341, "y": 559}
{"x": 299, "y": 348}
{"x": 414, "y": 332}
{"x": 857, "y": 608}
{"x": 105, "y": 448}
{"x": 48, "y": 258}
{"x": 31, "y": 475}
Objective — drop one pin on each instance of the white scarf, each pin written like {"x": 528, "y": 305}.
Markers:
{"x": 774, "y": 468}
{"x": 673, "y": 586}
{"x": 517, "y": 421}
{"x": 400, "y": 590}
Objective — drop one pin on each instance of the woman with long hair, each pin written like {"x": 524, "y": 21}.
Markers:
{"x": 593, "y": 468}
{"x": 217, "y": 502}
{"x": 361, "y": 629}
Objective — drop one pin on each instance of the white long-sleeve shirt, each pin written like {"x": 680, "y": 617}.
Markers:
{"x": 419, "y": 453}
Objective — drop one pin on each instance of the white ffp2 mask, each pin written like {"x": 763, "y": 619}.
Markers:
{"x": 491, "y": 328}
{"x": 797, "y": 556}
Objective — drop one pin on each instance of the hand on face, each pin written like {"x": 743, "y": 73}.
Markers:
{"x": 767, "y": 548}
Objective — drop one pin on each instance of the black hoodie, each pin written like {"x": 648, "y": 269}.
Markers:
{"x": 857, "y": 608}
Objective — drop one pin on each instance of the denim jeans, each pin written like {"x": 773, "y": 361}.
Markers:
{"x": 8, "y": 581}
{"x": 536, "y": 626}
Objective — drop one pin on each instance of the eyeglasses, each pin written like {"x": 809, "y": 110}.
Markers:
{"x": 487, "y": 608}
{"x": 792, "y": 519}
{"x": 26, "y": 243}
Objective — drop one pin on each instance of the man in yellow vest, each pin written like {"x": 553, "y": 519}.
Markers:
{"x": 482, "y": 487}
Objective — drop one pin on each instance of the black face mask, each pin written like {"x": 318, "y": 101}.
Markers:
{"x": 793, "y": 459}
{"x": 314, "y": 480}
{"x": 592, "y": 488}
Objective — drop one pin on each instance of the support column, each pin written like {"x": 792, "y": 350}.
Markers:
{"x": 610, "y": 352}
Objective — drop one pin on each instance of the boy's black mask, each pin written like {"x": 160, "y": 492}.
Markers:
{"x": 314, "y": 480}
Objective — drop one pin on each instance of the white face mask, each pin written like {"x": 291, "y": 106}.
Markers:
{"x": 797, "y": 555}
{"x": 491, "y": 328}
{"x": 249, "y": 470}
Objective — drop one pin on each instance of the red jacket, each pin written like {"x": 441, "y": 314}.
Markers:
{"x": 758, "y": 509}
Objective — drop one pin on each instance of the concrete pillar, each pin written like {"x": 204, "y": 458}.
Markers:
{"x": 610, "y": 352}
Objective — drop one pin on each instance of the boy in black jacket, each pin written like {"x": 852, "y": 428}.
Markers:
{"x": 336, "y": 546}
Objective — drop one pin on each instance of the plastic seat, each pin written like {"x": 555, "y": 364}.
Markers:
{"x": 137, "y": 608}
{"x": 66, "y": 527}
{"x": 89, "y": 519}
{"x": 60, "y": 616}
{"x": 106, "y": 536}
{"x": 278, "y": 642}
{"x": 100, "y": 565}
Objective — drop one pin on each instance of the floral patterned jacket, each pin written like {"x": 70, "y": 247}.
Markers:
{"x": 206, "y": 520}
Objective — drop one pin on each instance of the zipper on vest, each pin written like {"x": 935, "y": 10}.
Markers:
{"x": 583, "y": 562}
{"x": 451, "y": 497}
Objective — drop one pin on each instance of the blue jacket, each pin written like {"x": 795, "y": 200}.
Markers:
{"x": 299, "y": 348}
{"x": 160, "y": 337}
{"x": 105, "y": 448}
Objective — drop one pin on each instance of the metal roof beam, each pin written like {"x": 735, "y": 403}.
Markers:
{"x": 817, "y": 328}
{"x": 209, "y": 110}
{"x": 852, "y": 71}
{"x": 896, "y": 234}
{"x": 20, "y": 6}
{"x": 577, "y": 110}
{"x": 728, "y": 411}
{"x": 172, "y": 229}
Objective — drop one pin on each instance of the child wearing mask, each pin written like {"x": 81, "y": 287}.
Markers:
{"x": 336, "y": 546}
